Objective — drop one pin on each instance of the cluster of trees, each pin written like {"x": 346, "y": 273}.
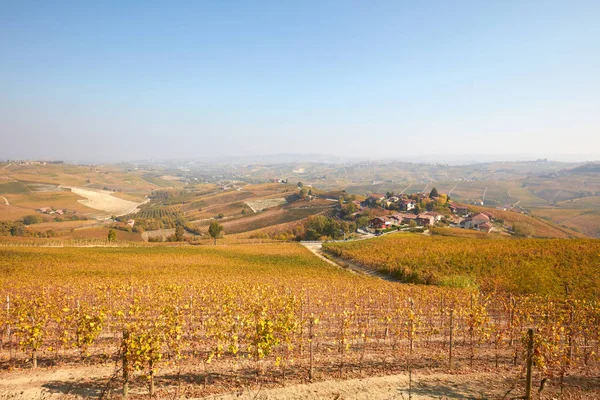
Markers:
{"x": 523, "y": 229}
{"x": 37, "y": 219}
{"x": 153, "y": 220}
{"x": 72, "y": 217}
{"x": 215, "y": 230}
{"x": 32, "y": 219}
{"x": 317, "y": 227}
{"x": 322, "y": 227}
{"x": 18, "y": 228}
{"x": 439, "y": 204}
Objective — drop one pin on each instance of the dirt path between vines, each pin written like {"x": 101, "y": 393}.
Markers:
{"x": 317, "y": 249}
{"x": 391, "y": 387}
{"x": 89, "y": 381}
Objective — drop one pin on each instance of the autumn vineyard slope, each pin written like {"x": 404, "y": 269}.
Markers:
{"x": 215, "y": 318}
{"x": 490, "y": 263}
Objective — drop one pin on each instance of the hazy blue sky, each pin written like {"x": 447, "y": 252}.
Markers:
{"x": 114, "y": 80}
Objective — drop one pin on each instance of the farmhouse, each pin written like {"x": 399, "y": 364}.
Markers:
{"x": 425, "y": 220}
{"x": 396, "y": 219}
{"x": 380, "y": 222}
{"x": 475, "y": 221}
{"x": 436, "y": 215}
{"x": 459, "y": 210}
{"x": 406, "y": 218}
{"x": 485, "y": 227}
{"x": 376, "y": 197}
{"x": 408, "y": 204}
{"x": 481, "y": 218}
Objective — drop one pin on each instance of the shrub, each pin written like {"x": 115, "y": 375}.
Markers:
{"x": 32, "y": 219}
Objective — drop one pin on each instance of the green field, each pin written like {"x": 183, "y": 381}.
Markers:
{"x": 13, "y": 188}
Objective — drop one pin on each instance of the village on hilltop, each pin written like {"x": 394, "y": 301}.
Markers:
{"x": 384, "y": 213}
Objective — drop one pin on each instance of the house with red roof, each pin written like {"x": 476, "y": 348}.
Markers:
{"x": 438, "y": 217}
{"x": 380, "y": 222}
{"x": 425, "y": 220}
{"x": 459, "y": 210}
{"x": 408, "y": 204}
{"x": 485, "y": 227}
{"x": 475, "y": 221}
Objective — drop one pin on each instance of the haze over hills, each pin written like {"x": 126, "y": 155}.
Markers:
{"x": 562, "y": 193}
{"x": 266, "y": 159}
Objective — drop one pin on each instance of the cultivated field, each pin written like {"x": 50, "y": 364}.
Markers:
{"x": 585, "y": 221}
{"x": 534, "y": 227}
{"x": 204, "y": 320}
{"x": 259, "y": 205}
{"x": 105, "y": 201}
{"x": 527, "y": 266}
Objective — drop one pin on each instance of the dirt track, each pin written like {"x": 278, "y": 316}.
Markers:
{"x": 317, "y": 249}
{"x": 88, "y": 381}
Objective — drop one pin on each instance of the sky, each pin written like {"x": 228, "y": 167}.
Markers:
{"x": 128, "y": 80}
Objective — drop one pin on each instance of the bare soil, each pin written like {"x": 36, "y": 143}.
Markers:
{"x": 104, "y": 201}
{"x": 94, "y": 381}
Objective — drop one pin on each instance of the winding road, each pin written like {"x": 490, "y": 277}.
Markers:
{"x": 5, "y": 200}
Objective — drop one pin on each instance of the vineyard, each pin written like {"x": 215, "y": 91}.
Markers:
{"x": 158, "y": 218}
{"x": 221, "y": 318}
{"x": 524, "y": 266}
{"x": 159, "y": 213}
{"x": 536, "y": 227}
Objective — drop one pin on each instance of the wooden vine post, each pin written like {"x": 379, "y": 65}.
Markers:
{"x": 8, "y": 330}
{"x": 310, "y": 348}
{"x": 451, "y": 338}
{"x": 529, "y": 364}
{"x": 151, "y": 375}
{"x": 125, "y": 364}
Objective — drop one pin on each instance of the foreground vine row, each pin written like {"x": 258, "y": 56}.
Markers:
{"x": 283, "y": 315}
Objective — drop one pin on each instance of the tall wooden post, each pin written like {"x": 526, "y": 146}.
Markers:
{"x": 151, "y": 377}
{"x": 301, "y": 328}
{"x": 8, "y": 330}
{"x": 451, "y": 338}
{"x": 310, "y": 348}
{"x": 125, "y": 363}
{"x": 529, "y": 363}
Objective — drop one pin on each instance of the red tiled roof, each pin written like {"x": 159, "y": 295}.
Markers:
{"x": 481, "y": 217}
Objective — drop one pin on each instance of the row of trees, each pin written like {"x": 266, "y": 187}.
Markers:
{"x": 18, "y": 228}
{"x": 215, "y": 231}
